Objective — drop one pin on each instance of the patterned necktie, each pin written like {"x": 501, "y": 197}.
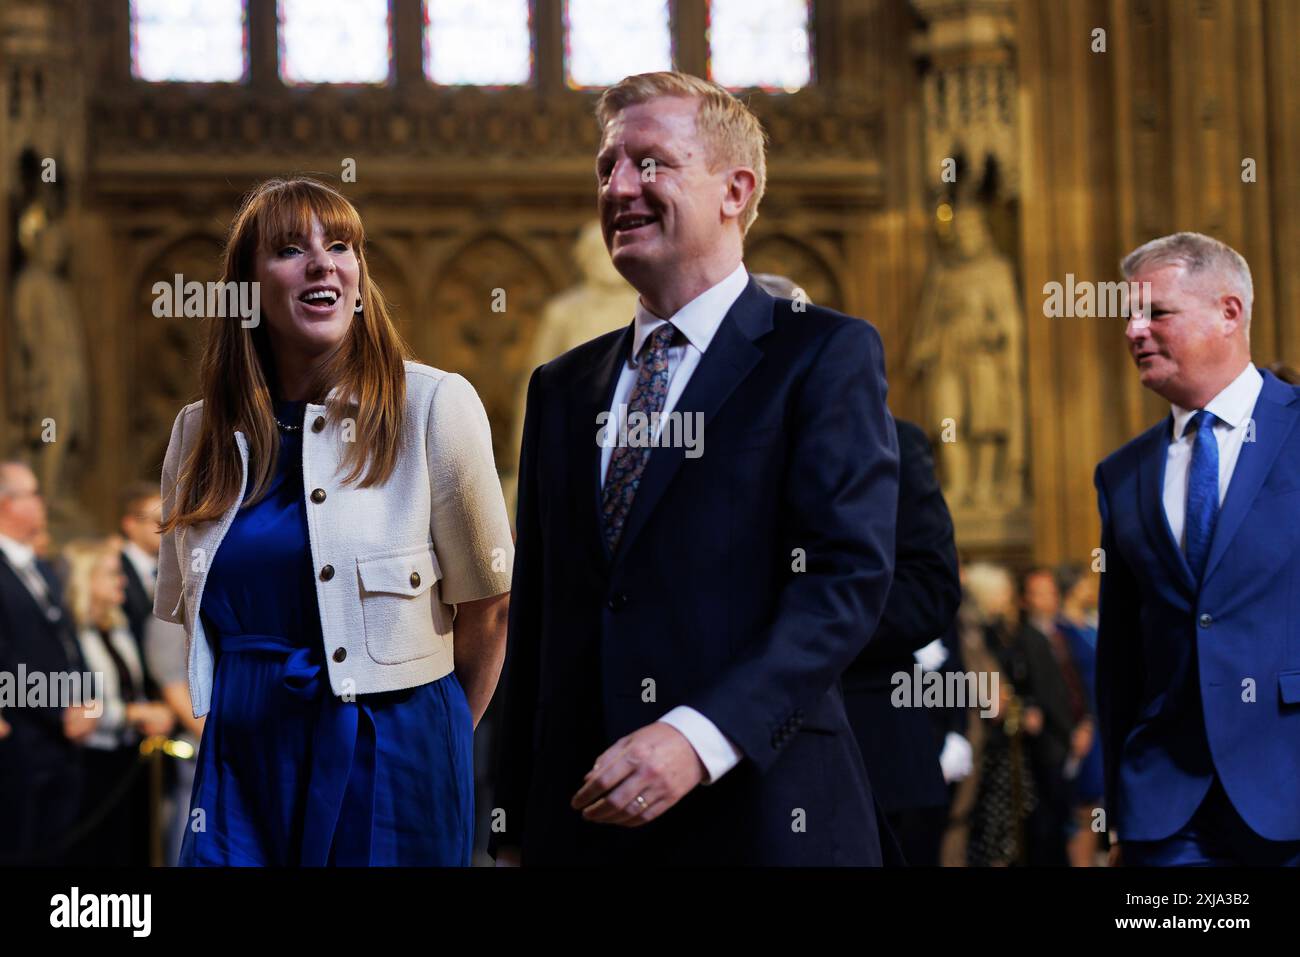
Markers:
{"x": 628, "y": 462}
{"x": 1202, "y": 492}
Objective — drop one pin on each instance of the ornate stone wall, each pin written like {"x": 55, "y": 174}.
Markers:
{"x": 463, "y": 192}
{"x": 466, "y": 191}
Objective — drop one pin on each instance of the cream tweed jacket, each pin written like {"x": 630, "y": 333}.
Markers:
{"x": 391, "y": 561}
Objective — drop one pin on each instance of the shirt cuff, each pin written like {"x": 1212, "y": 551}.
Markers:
{"x": 716, "y": 752}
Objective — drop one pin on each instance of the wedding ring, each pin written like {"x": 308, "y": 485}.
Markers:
{"x": 640, "y": 803}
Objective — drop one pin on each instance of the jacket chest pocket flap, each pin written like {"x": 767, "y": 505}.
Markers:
{"x": 402, "y": 619}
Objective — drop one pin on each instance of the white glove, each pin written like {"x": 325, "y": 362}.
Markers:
{"x": 932, "y": 655}
{"x": 956, "y": 759}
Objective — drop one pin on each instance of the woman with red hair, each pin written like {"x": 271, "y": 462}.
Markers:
{"x": 333, "y": 529}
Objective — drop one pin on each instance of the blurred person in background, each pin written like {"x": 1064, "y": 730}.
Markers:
{"x": 996, "y": 802}
{"x": 40, "y": 762}
{"x": 1285, "y": 372}
{"x": 1045, "y": 673}
{"x": 139, "y": 516}
{"x": 1078, "y": 623}
{"x": 782, "y": 287}
{"x": 114, "y": 818}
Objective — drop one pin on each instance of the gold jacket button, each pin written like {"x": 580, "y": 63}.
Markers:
{"x": 327, "y": 573}
{"x": 319, "y": 424}
{"x": 415, "y": 579}
{"x": 318, "y": 495}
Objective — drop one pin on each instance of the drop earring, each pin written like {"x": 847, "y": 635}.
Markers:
{"x": 357, "y": 310}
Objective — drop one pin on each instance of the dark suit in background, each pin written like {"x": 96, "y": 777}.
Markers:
{"x": 138, "y": 608}
{"x": 40, "y": 769}
{"x": 1035, "y": 671}
{"x": 899, "y": 745}
{"x": 702, "y": 595}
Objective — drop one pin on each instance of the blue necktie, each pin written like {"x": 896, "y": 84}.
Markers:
{"x": 1202, "y": 492}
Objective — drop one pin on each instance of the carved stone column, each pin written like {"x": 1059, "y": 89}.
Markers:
{"x": 967, "y": 50}
{"x": 969, "y": 333}
{"x": 41, "y": 167}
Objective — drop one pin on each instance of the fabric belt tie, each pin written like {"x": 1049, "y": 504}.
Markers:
{"x": 341, "y": 773}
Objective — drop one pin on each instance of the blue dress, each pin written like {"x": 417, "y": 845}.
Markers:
{"x": 288, "y": 773}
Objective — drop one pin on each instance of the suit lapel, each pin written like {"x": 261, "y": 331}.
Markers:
{"x": 593, "y": 393}
{"x": 136, "y": 593}
{"x": 728, "y": 360}
{"x": 1274, "y": 417}
{"x": 1152, "y": 490}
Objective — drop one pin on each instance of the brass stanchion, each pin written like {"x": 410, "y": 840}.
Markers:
{"x": 153, "y": 749}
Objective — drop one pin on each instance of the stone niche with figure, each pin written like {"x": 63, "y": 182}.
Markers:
{"x": 472, "y": 200}
{"x": 966, "y": 357}
{"x": 49, "y": 398}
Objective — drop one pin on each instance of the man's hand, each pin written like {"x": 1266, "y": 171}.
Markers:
{"x": 150, "y": 717}
{"x": 1081, "y": 739}
{"x": 655, "y": 763}
{"x": 77, "y": 724}
{"x": 1032, "y": 721}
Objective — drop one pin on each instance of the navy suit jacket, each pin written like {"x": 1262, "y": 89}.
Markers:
{"x": 744, "y": 582}
{"x": 138, "y": 608}
{"x": 40, "y": 769}
{"x": 1194, "y": 681}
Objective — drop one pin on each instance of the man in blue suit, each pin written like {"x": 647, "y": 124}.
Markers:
{"x": 681, "y": 612}
{"x": 1198, "y": 655}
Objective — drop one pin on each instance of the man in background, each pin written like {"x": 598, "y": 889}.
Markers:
{"x": 139, "y": 516}
{"x": 40, "y": 763}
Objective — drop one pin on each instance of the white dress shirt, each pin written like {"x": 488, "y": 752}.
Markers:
{"x": 145, "y": 565}
{"x": 1233, "y": 408}
{"x": 113, "y": 730}
{"x": 698, "y": 322}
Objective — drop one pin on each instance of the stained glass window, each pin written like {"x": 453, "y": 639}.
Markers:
{"x": 611, "y": 39}
{"x": 191, "y": 41}
{"x": 760, "y": 43}
{"x": 472, "y": 42}
{"x": 334, "y": 41}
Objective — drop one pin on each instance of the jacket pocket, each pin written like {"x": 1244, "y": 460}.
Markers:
{"x": 1289, "y": 685}
{"x": 399, "y": 607}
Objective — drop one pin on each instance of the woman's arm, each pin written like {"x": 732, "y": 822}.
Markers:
{"x": 479, "y": 637}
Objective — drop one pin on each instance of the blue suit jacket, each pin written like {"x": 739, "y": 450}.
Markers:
{"x": 705, "y": 597}
{"x": 1194, "y": 681}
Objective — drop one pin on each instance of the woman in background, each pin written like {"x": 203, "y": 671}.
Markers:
{"x": 1000, "y": 798}
{"x": 115, "y": 802}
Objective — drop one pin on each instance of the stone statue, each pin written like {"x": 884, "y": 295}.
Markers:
{"x": 966, "y": 352}
{"x": 50, "y": 406}
{"x": 601, "y": 302}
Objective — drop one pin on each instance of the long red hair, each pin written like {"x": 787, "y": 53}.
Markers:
{"x": 237, "y": 363}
